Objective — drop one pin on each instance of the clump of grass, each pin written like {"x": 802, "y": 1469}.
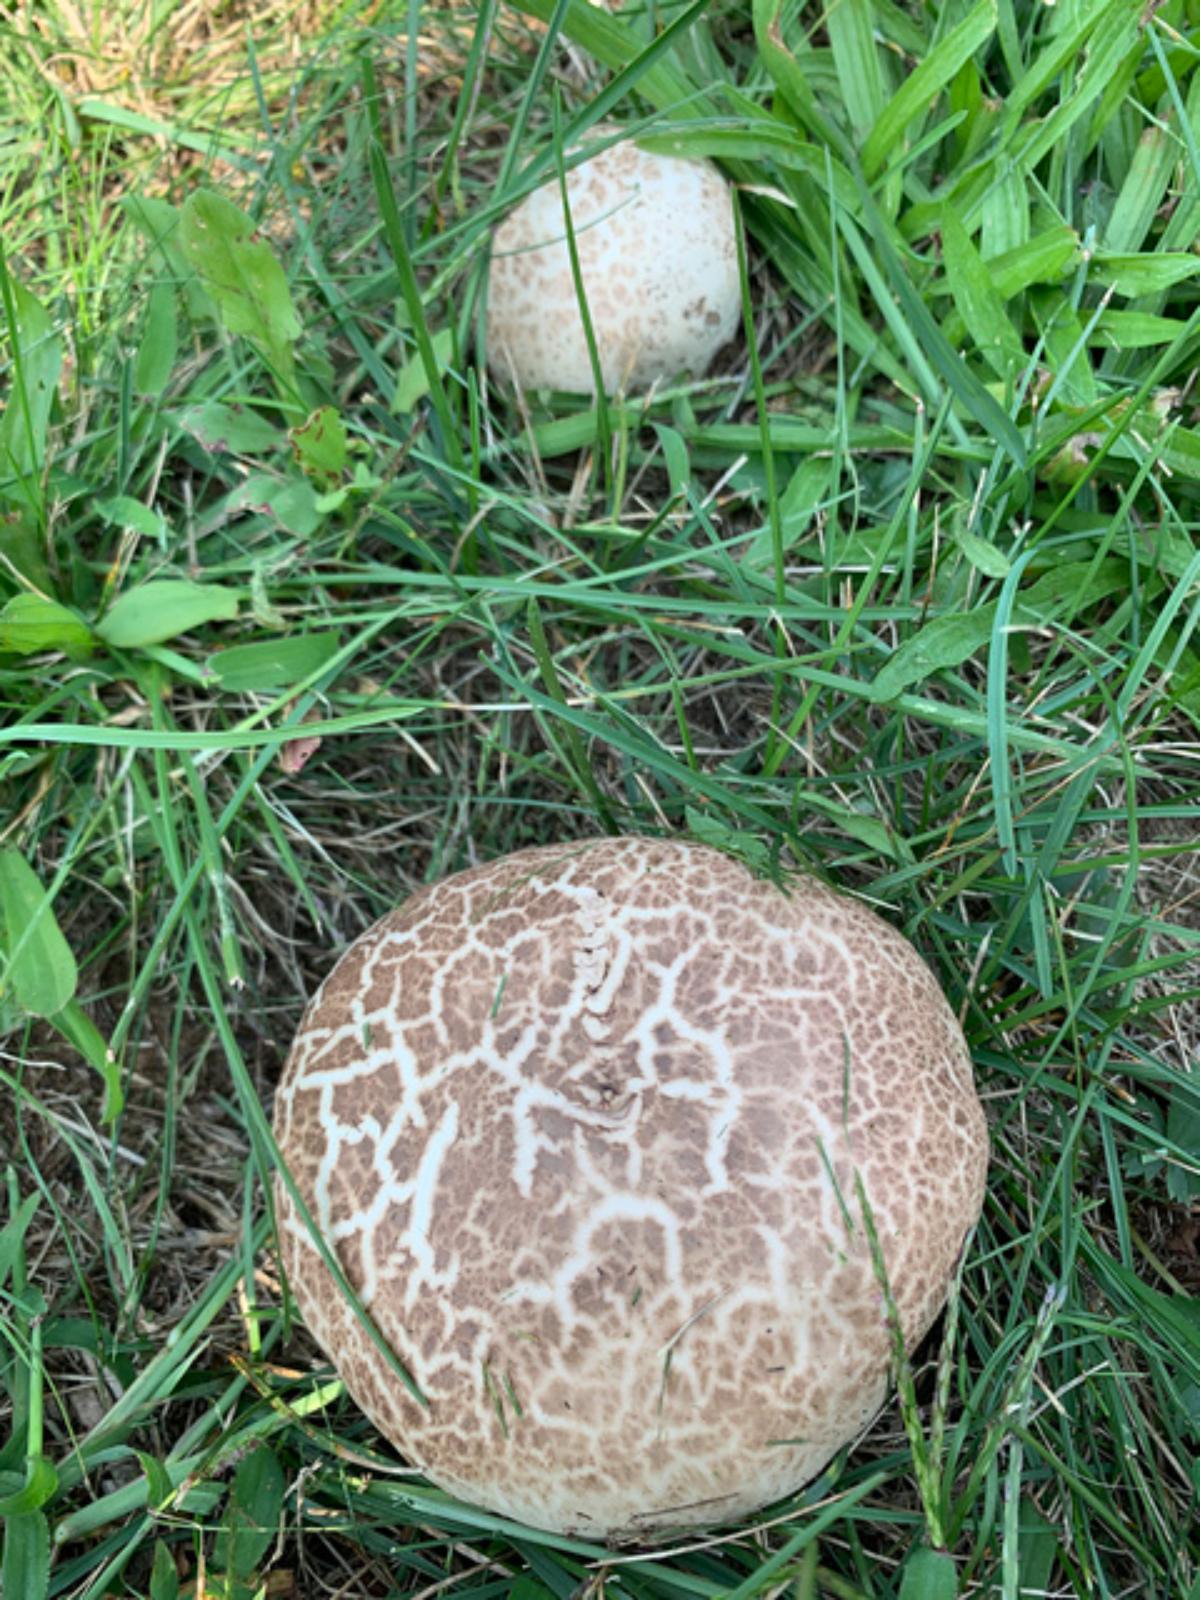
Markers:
{"x": 300, "y": 610}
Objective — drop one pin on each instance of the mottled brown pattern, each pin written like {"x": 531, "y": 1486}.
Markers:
{"x": 659, "y": 264}
{"x": 584, "y": 1127}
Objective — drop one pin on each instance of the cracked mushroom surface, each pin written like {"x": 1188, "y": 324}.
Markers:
{"x": 658, "y": 258}
{"x": 583, "y": 1127}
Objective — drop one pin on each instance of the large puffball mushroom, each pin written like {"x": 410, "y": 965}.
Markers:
{"x": 590, "y": 1131}
{"x": 658, "y": 258}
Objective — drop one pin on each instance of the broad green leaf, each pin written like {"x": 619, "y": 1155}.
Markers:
{"x": 273, "y": 663}
{"x": 851, "y": 25}
{"x": 159, "y": 342}
{"x": 980, "y": 304}
{"x": 1047, "y": 258}
{"x": 1004, "y": 218}
{"x": 929, "y": 1575}
{"x": 807, "y": 488}
{"x": 164, "y": 1580}
{"x": 251, "y": 1521}
{"x": 1038, "y": 1542}
{"x": 41, "y": 1476}
{"x": 413, "y": 383}
{"x": 1071, "y": 438}
{"x": 25, "y": 1570}
{"x": 965, "y": 97}
{"x": 876, "y": 835}
{"x": 22, "y": 544}
{"x": 1134, "y": 330}
{"x": 1183, "y": 1130}
{"x": 79, "y": 1030}
{"x": 320, "y": 445}
{"x": 899, "y": 27}
{"x": 158, "y": 221}
{"x": 35, "y": 354}
{"x": 1066, "y": 350}
{"x": 229, "y": 429}
{"x": 926, "y": 81}
{"x": 1143, "y": 190}
{"x": 1179, "y": 450}
{"x": 965, "y": 193}
{"x": 12, "y": 1235}
{"x": 241, "y": 273}
{"x": 29, "y": 624}
{"x": 983, "y": 555}
{"x": 162, "y": 609}
{"x": 123, "y": 511}
{"x": 943, "y": 642}
{"x": 291, "y": 501}
{"x": 747, "y": 847}
{"x": 158, "y": 1479}
{"x": 1143, "y": 274}
{"x": 1071, "y": 586}
{"x": 948, "y": 641}
{"x": 675, "y": 458}
{"x": 41, "y": 972}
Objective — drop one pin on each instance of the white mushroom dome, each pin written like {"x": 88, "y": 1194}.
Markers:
{"x": 589, "y": 1130}
{"x": 658, "y": 259}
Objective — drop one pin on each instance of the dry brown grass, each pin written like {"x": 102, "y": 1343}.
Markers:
{"x": 143, "y": 55}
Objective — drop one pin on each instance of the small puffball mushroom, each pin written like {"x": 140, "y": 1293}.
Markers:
{"x": 658, "y": 259}
{"x": 589, "y": 1130}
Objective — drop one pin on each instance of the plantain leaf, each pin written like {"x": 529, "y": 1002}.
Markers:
{"x": 929, "y": 1575}
{"x": 225, "y": 429}
{"x": 252, "y": 1515}
{"x": 979, "y": 302}
{"x": 319, "y": 445}
{"x": 162, "y": 609}
{"x": 947, "y": 641}
{"x": 35, "y": 358}
{"x": 30, "y": 623}
{"x": 12, "y": 1234}
{"x": 413, "y": 383}
{"x": 25, "y": 1564}
{"x": 164, "y": 1580}
{"x": 1135, "y": 275}
{"x": 159, "y": 343}
{"x": 273, "y": 663}
{"x": 78, "y": 1028}
{"x": 123, "y": 511}
{"x": 41, "y": 971}
{"x": 241, "y": 274}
